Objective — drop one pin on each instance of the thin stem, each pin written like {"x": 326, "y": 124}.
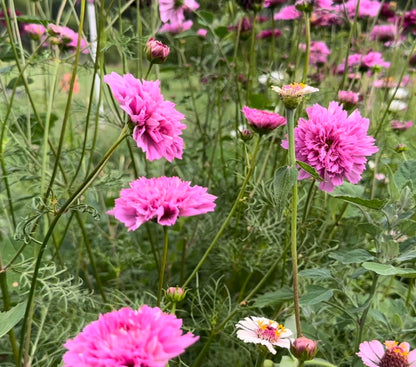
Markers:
{"x": 308, "y": 46}
{"x": 68, "y": 102}
{"x": 230, "y": 214}
{"x": 148, "y": 70}
{"x": 164, "y": 260}
{"x": 363, "y": 318}
{"x": 30, "y": 300}
{"x": 290, "y": 113}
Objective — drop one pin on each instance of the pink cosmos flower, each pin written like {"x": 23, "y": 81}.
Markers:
{"x": 146, "y": 337}
{"x": 263, "y": 121}
{"x": 335, "y": 144}
{"x": 201, "y": 32}
{"x": 176, "y": 28}
{"x": 348, "y": 98}
{"x": 163, "y": 199}
{"x": 364, "y": 62}
{"x": 368, "y": 8}
{"x": 384, "y": 33}
{"x": 156, "y": 122}
{"x": 397, "y": 125}
{"x": 35, "y": 31}
{"x": 374, "y": 354}
{"x": 173, "y": 10}
{"x": 288, "y": 13}
{"x": 268, "y": 33}
{"x": 319, "y": 52}
{"x": 66, "y": 38}
{"x": 271, "y": 3}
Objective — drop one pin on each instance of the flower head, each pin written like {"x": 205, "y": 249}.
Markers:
{"x": 163, "y": 199}
{"x": 260, "y": 330}
{"x": 66, "y": 38}
{"x": 397, "y": 125}
{"x": 374, "y": 354}
{"x": 335, "y": 144}
{"x": 177, "y": 27}
{"x": 348, "y": 98}
{"x": 293, "y": 93}
{"x": 173, "y": 10}
{"x": 35, "y": 31}
{"x": 156, "y": 51}
{"x": 263, "y": 121}
{"x": 156, "y": 122}
{"x": 146, "y": 337}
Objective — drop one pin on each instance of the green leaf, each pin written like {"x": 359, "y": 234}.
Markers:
{"x": 316, "y": 294}
{"x": 408, "y": 227}
{"x": 284, "y": 180}
{"x": 351, "y": 256}
{"x": 10, "y": 84}
{"x": 257, "y": 101}
{"x": 206, "y": 16}
{"x": 316, "y": 273}
{"x": 384, "y": 269}
{"x": 273, "y": 298}
{"x": 221, "y": 31}
{"x": 33, "y": 19}
{"x": 368, "y": 203}
{"x": 312, "y": 171}
{"x": 319, "y": 362}
{"x": 287, "y": 361}
{"x": 9, "y": 319}
{"x": 405, "y": 173}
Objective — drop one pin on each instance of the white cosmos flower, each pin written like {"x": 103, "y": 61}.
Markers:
{"x": 401, "y": 93}
{"x": 260, "y": 330}
{"x": 397, "y": 106}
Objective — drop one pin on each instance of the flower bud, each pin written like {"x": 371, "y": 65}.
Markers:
{"x": 400, "y": 148}
{"x": 304, "y": 348}
{"x": 175, "y": 294}
{"x": 246, "y": 134}
{"x": 156, "y": 51}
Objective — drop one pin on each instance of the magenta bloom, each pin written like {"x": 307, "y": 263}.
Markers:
{"x": 268, "y": 33}
{"x": 263, "y": 121}
{"x": 368, "y": 8}
{"x": 176, "y": 28}
{"x": 364, "y": 62}
{"x": 146, "y": 337}
{"x": 156, "y": 122}
{"x": 173, "y": 10}
{"x": 288, "y": 13}
{"x": 319, "y": 52}
{"x": 335, "y": 144}
{"x": 374, "y": 354}
{"x": 384, "y": 33}
{"x": 35, "y": 31}
{"x": 397, "y": 125}
{"x": 67, "y": 38}
{"x": 163, "y": 199}
{"x": 348, "y": 98}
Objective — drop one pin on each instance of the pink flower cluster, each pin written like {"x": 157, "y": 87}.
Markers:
{"x": 157, "y": 126}
{"x": 146, "y": 337}
{"x": 163, "y": 199}
{"x": 319, "y": 52}
{"x": 364, "y": 62}
{"x": 173, "y": 17}
{"x": 63, "y": 37}
{"x": 335, "y": 144}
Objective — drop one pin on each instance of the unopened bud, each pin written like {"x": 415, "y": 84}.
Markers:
{"x": 400, "y": 148}
{"x": 246, "y": 134}
{"x": 175, "y": 294}
{"x": 156, "y": 51}
{"x": 304, "y": 348}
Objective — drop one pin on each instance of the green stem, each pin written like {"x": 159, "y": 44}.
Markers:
{"x": 68, "y": 102}
{"x": 352, "y": 29}
{"x": 308, "y": 46}
{"x": 148, "y": 70}
{"x": 91, "y": 257}
{"x": 290, "y": 114}
{"x": 230, "y": 214}
{"x": 363, "y": 318}
{"x": 314, "y": 362}
{"x": 30, "y": 300}
{"x": 260, "y": 359}
{"x": 164, "y": 260}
